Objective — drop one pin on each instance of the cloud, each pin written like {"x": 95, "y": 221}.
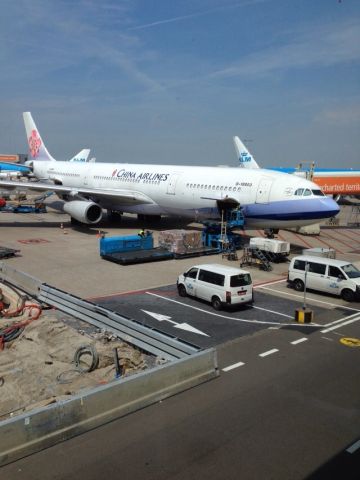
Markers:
{"x": 315, "y": 47}
{"x": 196, "y": 14}
{"x": 343, "y": 115}
{"x": 62, "y": 35}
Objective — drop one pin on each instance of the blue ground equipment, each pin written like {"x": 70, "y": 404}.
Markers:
{"x": 130, "y": 249}
{"x": 220, "y": 235}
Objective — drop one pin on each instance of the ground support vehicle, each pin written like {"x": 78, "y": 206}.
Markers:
{"x": 218, "y": 284}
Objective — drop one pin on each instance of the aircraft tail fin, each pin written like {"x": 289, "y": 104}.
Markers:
{"x": 81, "y": 156}
{"x": 37, "y": 149}
{"x": 246, "y": 160}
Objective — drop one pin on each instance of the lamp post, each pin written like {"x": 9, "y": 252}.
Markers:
{"x": 305, "y": 279}
{"x": 304, "y": 314}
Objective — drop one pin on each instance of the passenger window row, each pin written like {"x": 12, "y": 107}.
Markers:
{"x": 213, "y": 187}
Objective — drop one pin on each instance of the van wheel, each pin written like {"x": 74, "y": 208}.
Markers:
{"x": 347, "y": 295}
{"x": 182, "y": 291}
{"x": 299, "y": 285}
{"x": 216, "y": 303}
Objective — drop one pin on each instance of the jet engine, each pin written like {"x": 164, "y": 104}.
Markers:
{"x": 84, "y": 211}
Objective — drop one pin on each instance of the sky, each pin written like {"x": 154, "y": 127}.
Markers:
{"x": 171, "y": 82}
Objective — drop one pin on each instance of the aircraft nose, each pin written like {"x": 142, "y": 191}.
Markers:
{"x": 329, "y": 208}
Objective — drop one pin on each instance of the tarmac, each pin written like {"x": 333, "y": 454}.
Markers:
{"x": 67, "y": 257}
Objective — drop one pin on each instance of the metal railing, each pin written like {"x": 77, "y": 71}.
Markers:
{"x": 148, "y": 339}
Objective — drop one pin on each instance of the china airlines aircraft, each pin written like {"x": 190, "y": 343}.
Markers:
{"x": 269, "y": 200}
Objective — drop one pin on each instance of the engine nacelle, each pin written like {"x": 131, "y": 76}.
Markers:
{"x": 83, "y": 211}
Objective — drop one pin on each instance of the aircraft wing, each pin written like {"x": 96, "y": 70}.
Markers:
{"x": 121, "y": 196}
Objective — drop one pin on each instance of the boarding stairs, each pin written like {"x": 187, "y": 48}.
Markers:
{"x": 255, "y": 255}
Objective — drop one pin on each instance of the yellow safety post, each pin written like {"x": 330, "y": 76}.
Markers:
{"x": 304, "y": 315}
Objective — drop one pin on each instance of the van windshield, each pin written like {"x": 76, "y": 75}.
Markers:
{"x": 240, "y": 280}
{"x": 351, "y": 271}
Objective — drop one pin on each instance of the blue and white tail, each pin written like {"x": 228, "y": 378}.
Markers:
{"x": 246, "y": 160}
{"x": 81, "y": 156}
{"x": 37, "y": 149}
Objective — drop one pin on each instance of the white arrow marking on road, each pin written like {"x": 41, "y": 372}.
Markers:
{"x": 182, "y": 326}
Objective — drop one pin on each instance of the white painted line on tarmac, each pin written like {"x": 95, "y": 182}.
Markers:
{"x": 342, "y": 320}
{"x": 269, "y": 352}
{"x": 272, "y": 311}
{"x": 340, "y": 325}
{"x": 260, "y": 285}
{"x": 183, "y": 326}
{"x": 354, "y": 447}
{"x": 295, "y": 342}
{"x": 231, "y": 367}
{"x": 301, "y": 297}
{"x": 232, "y": 318}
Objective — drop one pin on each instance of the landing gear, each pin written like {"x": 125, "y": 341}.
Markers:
{"x": 75, "y": 223}
{"x": 271, "y": 232}
{"x": 149, "y": 219}
{"x": 114, "y": 216}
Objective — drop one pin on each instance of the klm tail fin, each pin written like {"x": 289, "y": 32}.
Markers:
{"x": 37, "y": 149}
{"x": 81, "y": 156}
{"x": 246, "y": 160}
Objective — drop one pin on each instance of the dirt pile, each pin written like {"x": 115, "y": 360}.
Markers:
{"x": 37, "y": 367}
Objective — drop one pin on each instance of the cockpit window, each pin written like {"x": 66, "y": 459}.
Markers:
{"x": 318, "y": 193}
{"x": 305, "y": 192}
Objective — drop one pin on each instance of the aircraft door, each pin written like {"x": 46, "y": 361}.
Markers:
{"x": 172, "y": 183}
{"x": 263, "y": 191}
{"x": 87, "y": 173}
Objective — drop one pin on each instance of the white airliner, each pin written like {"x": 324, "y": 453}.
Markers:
{"x": 269, "y": 200}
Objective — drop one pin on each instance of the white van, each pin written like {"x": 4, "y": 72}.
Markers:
{"x": 218, "y": 284}
{"x": 338, "y": 277}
